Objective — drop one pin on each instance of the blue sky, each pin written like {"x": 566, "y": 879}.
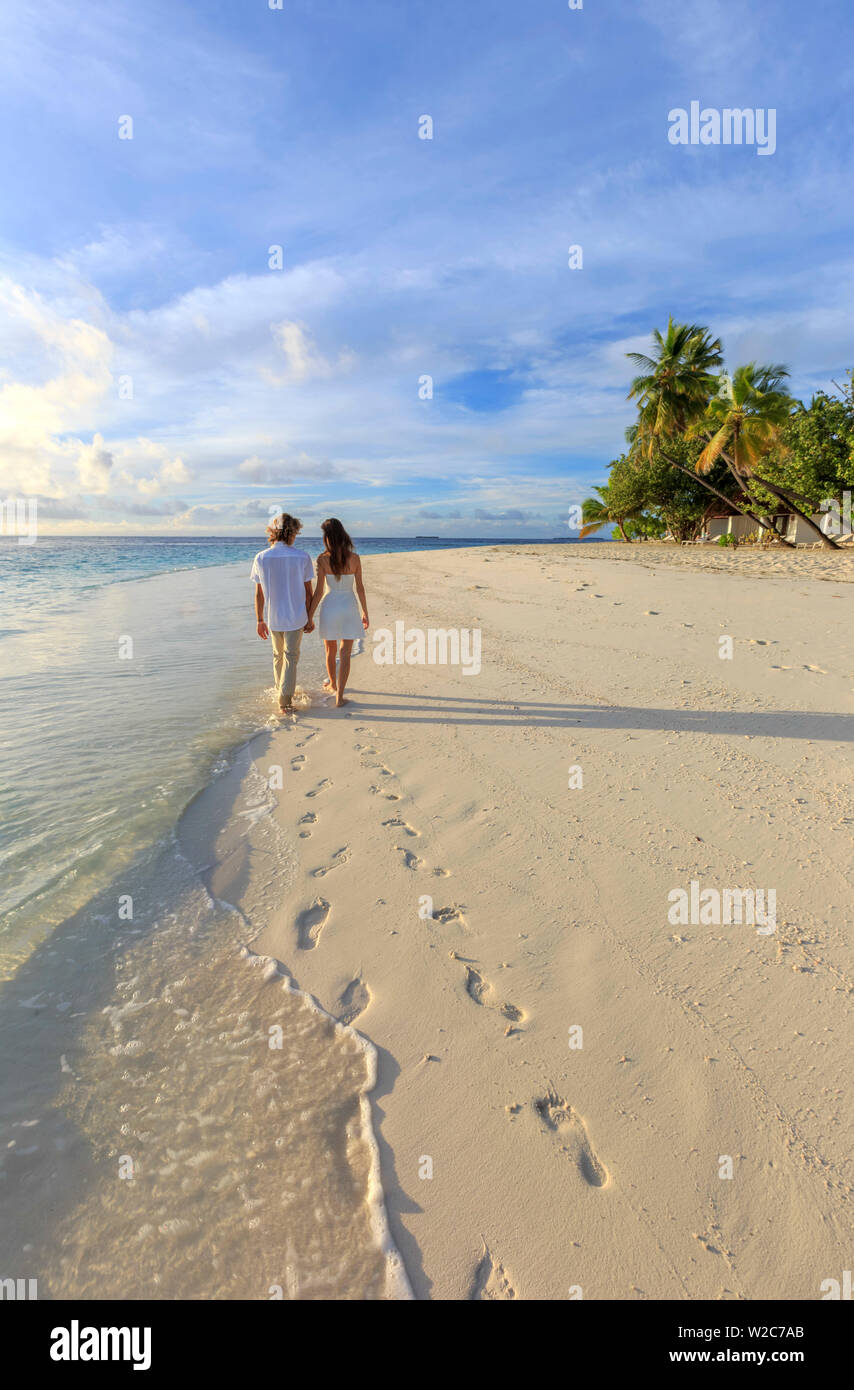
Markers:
{"x": 157, "y": 375}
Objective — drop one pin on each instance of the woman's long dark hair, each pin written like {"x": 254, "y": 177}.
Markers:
{"x": 338, "y": 545}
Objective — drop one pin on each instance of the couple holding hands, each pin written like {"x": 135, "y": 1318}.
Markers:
{"x": 286, "y": 602}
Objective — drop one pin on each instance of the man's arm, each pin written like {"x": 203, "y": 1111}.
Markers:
{"x": 263, "y": 630}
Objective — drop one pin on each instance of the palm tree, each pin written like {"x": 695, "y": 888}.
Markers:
{"x": 600, "y": 511}
{"x": 673, "y": 392}
{"x": 674, "y": 386}
{"x": 743, "y": 422}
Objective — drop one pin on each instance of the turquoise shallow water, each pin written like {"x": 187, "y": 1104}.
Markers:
{"x": 115, "y": 705}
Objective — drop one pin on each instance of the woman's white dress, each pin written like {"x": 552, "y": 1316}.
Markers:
{"x": 339, "y": 616}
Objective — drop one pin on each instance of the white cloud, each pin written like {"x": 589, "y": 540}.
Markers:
{"x": 69, "y": 359}
{"x": 282, "y": 471}
{"x": 302, "y": 358}
{"x": 170, "y": 471}
{"x": 94, "y": 467}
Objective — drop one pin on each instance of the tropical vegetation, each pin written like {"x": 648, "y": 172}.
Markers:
{"x": 708, "y": 440}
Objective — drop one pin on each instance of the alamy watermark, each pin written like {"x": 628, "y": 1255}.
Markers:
{"x": 76, "y": 1343}
{"x": 436, "y": 647}
{"x": 837, "y": 1291}
{"x": 728, "y": 126}
{"x": 839, "y": 515}
{"x": 19, "y": 1289}
{"x": 715, "y": 907}
{"x": 19, "y": 517}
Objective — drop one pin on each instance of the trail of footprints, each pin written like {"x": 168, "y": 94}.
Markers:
{"x": 479, "y": 990}
{"x": 556, "y": 1117}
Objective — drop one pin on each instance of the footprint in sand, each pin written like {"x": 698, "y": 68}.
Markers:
{"x": 490, "y": 1280}
{"x": 339, "y": 857}
{"x": 365, "y": 748}
{"x": 479, "y": 989}
{"x": 353, "y": 1001}
{"x": 447, "y": 915}
{"x": 308, "y": 819}
{"x": 321, "y": 786}
{"x": 410, "y": 860}
{"x": 297, "y": 761}
{"x": 559, "y": 1117}
{"x": 402, "y": 825}
{"x": 817, "y": 670}
{"x": 380, "y": 791}
{"x": 310, "y": 923}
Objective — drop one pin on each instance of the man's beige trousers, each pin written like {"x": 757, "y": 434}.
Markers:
{"x": 285, "y": 657}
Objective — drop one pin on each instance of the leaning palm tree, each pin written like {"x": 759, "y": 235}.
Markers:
{"x": 602, "y": 511}
{"x": 742, "y": 423}
{"x": 673, "y": 391}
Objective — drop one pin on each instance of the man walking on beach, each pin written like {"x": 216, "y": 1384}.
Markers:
{"x": 282, "y": 577}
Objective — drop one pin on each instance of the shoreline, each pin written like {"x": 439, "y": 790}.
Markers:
{"x": 167, "y": 1071}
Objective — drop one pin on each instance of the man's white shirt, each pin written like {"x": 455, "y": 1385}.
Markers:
{"x": 283, "y": 571}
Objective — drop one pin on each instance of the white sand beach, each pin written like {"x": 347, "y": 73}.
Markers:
{"x": 520, "y": 1157}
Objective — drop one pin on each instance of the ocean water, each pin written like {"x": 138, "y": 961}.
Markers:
{"x": 152, "y": 1142}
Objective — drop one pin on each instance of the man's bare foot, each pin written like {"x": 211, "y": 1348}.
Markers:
{"x": 286, "y": 709}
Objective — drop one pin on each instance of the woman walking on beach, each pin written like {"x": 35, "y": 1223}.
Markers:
{"x": 339, "y": 580}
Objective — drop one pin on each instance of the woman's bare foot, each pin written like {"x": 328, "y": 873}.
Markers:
{"x": 286, "y": 709}
{"x": 327, "y": 685}
{"x": 342, "y": 700}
